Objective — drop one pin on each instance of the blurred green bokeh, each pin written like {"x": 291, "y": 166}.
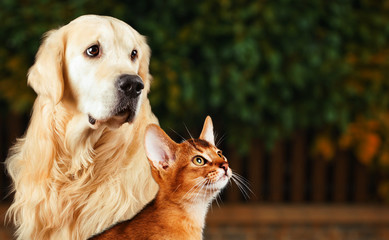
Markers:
{"x": 261, "y": 69}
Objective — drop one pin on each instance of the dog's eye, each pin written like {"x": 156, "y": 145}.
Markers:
{"x": 93, "y": 51}
{"x": 134, "y": 54}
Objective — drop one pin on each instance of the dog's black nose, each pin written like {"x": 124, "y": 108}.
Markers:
{"x": 130, "y": 85}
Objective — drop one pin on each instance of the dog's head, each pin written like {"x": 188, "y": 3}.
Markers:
{"x": 98, "y": 65}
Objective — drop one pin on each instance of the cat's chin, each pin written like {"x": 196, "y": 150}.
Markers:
{"x": 219, "y": 184}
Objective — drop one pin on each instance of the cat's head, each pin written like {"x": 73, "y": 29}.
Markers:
{"x": 192, "y": 170}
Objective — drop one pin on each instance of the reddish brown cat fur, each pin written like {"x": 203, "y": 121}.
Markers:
{"x": 190, "y": 175}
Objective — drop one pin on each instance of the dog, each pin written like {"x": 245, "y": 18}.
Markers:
{"x": 81, "y": 165}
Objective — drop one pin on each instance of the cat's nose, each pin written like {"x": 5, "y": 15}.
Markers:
{"x": 224, "y": 166}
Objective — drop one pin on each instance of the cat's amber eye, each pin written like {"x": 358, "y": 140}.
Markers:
{"x": 199, "y": 161}
{"x": 219, "y": 153}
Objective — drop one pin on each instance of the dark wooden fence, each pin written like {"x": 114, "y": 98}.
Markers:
{"x": 289, "y": 173}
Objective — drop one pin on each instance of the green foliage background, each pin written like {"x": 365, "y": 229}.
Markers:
{"x": 261, "y": 69}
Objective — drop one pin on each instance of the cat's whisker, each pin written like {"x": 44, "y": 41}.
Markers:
{"x": 217, "y": 202}
{"x": 220, "y": 198}
{"x": 242, "y": 184}
{"x": 190, "y": 191}
{"x": 219, "y": 140}
{"x": 201, "y": 189}
{"x": 182, "y": 138}
{"x": 205, "y": 193}
{"x": 201, "y": 181}
{"x": 207, "y": 183}
{"x": 175, "y": 190}
{"x": 188, "y": 131}
{"x": 193, "y": 188}
{"x": 216, "y": 199}
{"x": 241, "y": 178}
{"x": 213, "y": 189}
{"x": 243, "y": 191}
{"x": 230, "y": 181}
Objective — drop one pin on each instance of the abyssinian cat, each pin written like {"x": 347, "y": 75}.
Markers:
{"x": 189, "y": 175}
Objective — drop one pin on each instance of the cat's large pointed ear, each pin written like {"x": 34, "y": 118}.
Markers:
{"x": 160, "y": 148}
{"x": 207, "y": 132}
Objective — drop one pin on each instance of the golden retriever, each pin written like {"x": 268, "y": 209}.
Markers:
{"x": 81, "y": 165}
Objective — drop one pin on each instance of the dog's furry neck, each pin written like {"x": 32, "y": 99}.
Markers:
{"x": 74, "y": 169}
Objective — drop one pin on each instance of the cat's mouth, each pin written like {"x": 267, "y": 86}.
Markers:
{"x": 218, "y": 179}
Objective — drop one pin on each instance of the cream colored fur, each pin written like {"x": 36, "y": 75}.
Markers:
{"x": 72, "y": 179}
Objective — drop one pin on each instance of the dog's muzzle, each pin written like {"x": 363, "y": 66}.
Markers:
{"x": 129, "y": 88}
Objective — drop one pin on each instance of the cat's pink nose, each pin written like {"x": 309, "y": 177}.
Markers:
{"x": 224, "y": 166}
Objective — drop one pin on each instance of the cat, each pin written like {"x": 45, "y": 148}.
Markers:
{"x": 190, "y": 175}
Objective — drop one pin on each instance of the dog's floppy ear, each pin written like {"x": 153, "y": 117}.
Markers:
{"x": 143, "y": 71}
{"x": 46, "y": 75}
